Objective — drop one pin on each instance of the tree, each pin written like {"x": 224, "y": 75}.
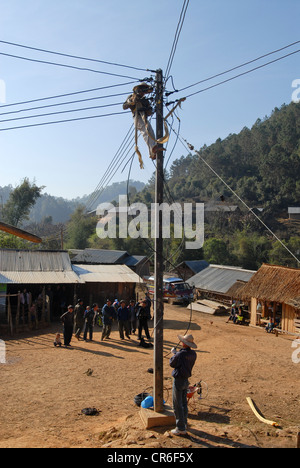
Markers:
{"x": 79, "y": 229}
{"x": 216, "y": 251}
{"x": 20, "y": 201}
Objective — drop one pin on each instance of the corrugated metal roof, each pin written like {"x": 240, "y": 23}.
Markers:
{"x": 294, "y": 210}
{"x": 218, "y": 278}
{"x": 34, "y": 260}
{"x": 34, "y": 277}
{"x": 134, "y": 260}
{"x": 36, "y": 267}
{"x": 100, "y": 256}
{"x": 195, "y": 265}
{"x": 106, "y": 274}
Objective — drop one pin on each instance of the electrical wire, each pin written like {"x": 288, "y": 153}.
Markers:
{"x": 176, "y": 38}
{"x": 191, "y": 148}
{"x": 48, "y": 114}
{"x": 67, "y": 94}
{"x": 61, "y": 121}
{"x": 234, "y": 68}
{"x": 64, "y": 65}
{"x": 242, "y": 74}
{"x": 71, "y": 56}
{"x": 111, "y": 170}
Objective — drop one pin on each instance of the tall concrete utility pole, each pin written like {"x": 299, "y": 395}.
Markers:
{"x": 159, "y": 263}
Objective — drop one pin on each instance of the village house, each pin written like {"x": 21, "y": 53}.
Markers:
{"x": 274, "y": 292}
{"x": 137, "y": 263}
{"x": 189, "y": 268}
{"x": 50, "y": 281}
{"x": 215, "y": 281}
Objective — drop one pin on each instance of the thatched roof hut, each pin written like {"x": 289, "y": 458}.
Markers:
{"x": 275, "y": 287}
{"x": 274, "y": 283}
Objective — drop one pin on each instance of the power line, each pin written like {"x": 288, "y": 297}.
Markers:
{"x": 111, "y": 168}
{"x": 59, "y": 112}
{"x": 235, "y": 68}
{"x": 63, "y": 103}
{"x": 62, "y": 121}
{"x": 67, "y": 94}
{"x": 191, "y": 148}
{"x": 176, "y": 38}
{"x": 71, "y": 56}
{"x": 73, "y": 67}
{"x": 242, "y": 74}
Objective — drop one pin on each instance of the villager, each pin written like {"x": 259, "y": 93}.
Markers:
{"x": 123, "y": 320}
{"x": 182, "y": 362}
{"x": 108, "y": 315}
{"x": 79, "y": 318}
{"x": 132, "y": 316}
{"x": 68, "y": 321}
{"x": 143, "y": 315}
{"x": 89, "y": 317}
{"x": 57, "y": 340}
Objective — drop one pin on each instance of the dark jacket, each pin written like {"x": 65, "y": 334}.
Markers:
{"x": 79, "y": 313}
{"x": 68, "y": 319}
{"x": 123, "y": 314}
{"x": 143, "y": 313}
{"x": 89, "y": 316}
{"x": 108, "y": 314}
{"x": 183, "y": 362}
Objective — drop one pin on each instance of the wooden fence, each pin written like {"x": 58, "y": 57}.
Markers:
{"x": 17, "y": 322}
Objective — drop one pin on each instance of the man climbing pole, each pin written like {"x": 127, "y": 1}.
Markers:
{"x": 141, "y": 109}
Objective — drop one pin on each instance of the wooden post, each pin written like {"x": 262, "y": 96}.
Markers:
{"x": 18, "y": 312}
{"x": 9, "y": 316}
{"x": 43, "y": 305}
{"x": 159, "y": 263}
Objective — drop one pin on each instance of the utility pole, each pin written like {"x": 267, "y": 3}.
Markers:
{"x": 159, "y": 263}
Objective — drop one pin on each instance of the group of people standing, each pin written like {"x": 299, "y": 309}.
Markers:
{"x": 131, "y": 318}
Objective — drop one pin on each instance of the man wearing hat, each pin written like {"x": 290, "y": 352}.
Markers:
{"x": 182, "y": 362}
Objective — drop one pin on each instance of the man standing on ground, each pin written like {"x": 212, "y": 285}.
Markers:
{"x": 182, "y": 362}
{"x": 79, "y": 318}
{"x": 68, "y": 321}
{"x": 89, "y": 317}
{"x": 123, "y": 320}
{"x": 108, "y": 314}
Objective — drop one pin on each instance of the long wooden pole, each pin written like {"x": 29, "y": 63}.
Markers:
{"x": 20, "y": 233}
{"x": 159, "y": 263}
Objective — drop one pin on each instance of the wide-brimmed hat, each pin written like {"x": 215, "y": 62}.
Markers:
{"x": 188, "y": 340}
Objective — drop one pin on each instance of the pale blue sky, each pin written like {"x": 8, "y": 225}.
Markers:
{"x": 71, "y": 158}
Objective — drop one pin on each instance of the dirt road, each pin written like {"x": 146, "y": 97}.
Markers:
{"x": 44, "y": 389}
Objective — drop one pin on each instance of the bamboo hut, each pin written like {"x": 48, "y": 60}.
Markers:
{"x": 274, "y": 292}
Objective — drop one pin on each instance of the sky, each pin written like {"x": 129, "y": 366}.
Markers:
{"x": 71, "y": 159}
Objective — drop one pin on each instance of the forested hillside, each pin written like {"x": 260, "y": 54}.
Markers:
{"x": 262, "y": 166}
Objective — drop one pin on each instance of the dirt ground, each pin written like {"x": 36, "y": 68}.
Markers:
{"x": 44, "y": 389}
